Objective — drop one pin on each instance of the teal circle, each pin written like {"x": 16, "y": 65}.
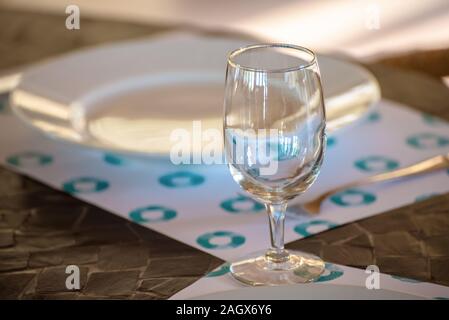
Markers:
{"x": 373, "y": 117}
{"x": 221, "y": 270}
{"x": 331, "y": 141}
{"x": 302, "y": 228}
{"x": 418, "y": 141}
{"x": 331, "y": 272}
{"x": 406, "y": 279}
{"x": 235, "y": 240}
{"x": 339, "y": 198}
{"x": 366, "y": 164}
{"x": 432, "y": 120}
{"x": 113, "y": 159}
{"x": 285, "y": 151}
{"x": 137, "y": 215}
{"x": 40, "y": 159}
{"x": 425, "y": 196}
{"x": 228, "y": 204}
{"x": 172, "y": 180}
{"x": 97, "y": 185}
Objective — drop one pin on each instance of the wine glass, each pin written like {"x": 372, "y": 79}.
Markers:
{"x": 274, "y": 139}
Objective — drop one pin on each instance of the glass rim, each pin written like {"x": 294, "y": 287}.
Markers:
{"x": 241, "y": 50}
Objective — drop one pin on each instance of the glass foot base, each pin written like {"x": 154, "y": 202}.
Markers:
{"x": 257, "y": 270}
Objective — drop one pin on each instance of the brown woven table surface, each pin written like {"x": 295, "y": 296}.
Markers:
{"x": 43, "y": 230}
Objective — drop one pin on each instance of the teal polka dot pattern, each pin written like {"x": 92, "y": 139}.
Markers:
{"x": 303, "y": 228}
{"x": 113, "y": 159}
{"x": 331, "y": 141}
{"x": 30, "y": 159}
{"x": 427, "y": 141}
{"x": 146, "y": 214}
{"x": 181, "y": 179}
{"x": 376, "y": 164}
{"x": 85, "y": 185}
{"x": 232, "y": 205}
{"x": 331, "y": 272}
{"x": 353, "y": 197}
{"x": 373, "y": 117}
{"x": 207, "y": 240}
{"x": 220, "y": 271}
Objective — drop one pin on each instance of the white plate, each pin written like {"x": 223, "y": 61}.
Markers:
{"x": 130, "y": 96}
{"x": 308, "y": 292}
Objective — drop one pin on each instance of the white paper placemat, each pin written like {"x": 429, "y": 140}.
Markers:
{"x": 220, "y": 280}
{"x": 203, "y": 207}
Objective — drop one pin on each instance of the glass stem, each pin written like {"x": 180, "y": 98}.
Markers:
{"x": 276, "y": 216}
